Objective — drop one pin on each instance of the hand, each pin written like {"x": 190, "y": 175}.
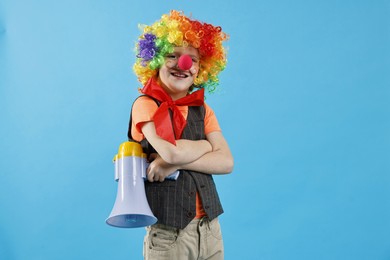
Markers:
{"x": 158, "y": 169}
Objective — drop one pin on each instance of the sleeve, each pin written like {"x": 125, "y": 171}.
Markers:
{"x": 210, "y": 121}
{"x": 142, "y": 112}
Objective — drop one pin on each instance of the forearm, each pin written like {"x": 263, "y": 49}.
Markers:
{"x": 185, "y": 151}
{"x": 218, "y": 161}
{"x": 210, "y": 163}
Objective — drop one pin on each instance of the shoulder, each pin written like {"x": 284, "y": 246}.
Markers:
{"x": 208, "y": 110}
{"x": 144, "y": 103}
{"x": 145, "y": 100}
{"x": 206, "y": 106}
{"x": 211, "y": 121}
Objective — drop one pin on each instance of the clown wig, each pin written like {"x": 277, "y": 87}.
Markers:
{"x": 176, "y": 29}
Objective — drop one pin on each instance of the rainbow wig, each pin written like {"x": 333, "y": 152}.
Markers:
{"x": 176, "y": 29}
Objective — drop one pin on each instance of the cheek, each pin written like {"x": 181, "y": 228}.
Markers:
{"x": 170, "y": 64}
{"x": 194, "y": 69}
{"x": 162, "y": 75}
{"x": 163, "y": 70}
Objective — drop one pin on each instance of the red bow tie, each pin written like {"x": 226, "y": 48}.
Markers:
{"x": 161, "y": 117}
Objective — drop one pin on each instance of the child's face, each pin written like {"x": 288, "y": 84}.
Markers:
{"x": 175, "y": 81}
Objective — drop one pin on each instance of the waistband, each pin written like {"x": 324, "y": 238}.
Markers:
{"x": 193, "y": 225}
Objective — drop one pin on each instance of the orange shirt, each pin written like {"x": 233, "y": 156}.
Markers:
{"x": 143, "y": 111}
{"x": 145, "y": 108}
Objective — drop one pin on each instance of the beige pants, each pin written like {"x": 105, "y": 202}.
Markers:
{"x": 201, "y": 239}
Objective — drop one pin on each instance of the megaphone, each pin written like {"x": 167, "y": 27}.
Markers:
{"x": 131, "y": 208}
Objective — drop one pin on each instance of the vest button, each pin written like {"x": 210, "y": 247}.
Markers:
{"x": 207, "y": 207}
{"x": 202, "y": 186}
{"x": 189, "y": 214}
{"x": 191, "y": 193}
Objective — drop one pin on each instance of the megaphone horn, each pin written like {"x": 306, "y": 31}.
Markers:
{"x": 131, "y": 208}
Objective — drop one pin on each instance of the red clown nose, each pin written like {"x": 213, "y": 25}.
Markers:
{"x": 185, "y": 62}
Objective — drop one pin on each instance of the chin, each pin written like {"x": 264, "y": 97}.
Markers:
{"x": 182, "y": 84}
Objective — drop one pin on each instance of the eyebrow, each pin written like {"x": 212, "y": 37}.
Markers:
{"x": 191, "y": 55}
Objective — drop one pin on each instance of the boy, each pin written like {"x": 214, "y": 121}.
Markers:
{"x": 179, "y": 131}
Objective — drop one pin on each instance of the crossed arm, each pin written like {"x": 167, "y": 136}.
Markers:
{"x": 211, "y": 156}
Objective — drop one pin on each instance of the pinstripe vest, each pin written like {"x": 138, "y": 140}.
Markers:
{"x": 174, "y": 202}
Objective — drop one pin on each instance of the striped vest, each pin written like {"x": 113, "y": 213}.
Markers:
{"x": 174, "y": 202}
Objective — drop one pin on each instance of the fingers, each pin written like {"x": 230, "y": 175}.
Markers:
{"x": 156, "y": 170}
{"x": 158, "y": 179}
{"x": 150, "y": 174}
{"x": 161, "y": 179}
{"x": 154, "y": 175}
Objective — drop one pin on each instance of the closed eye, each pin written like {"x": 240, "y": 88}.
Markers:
{"x": 171, "y": 56}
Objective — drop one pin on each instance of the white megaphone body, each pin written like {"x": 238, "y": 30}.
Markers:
{"x": 131, "y": 208}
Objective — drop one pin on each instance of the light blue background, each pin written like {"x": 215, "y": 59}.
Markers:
{"x": 304, "y": 105}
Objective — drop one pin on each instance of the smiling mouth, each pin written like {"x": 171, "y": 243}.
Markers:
{"x": 179, "y": 75}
